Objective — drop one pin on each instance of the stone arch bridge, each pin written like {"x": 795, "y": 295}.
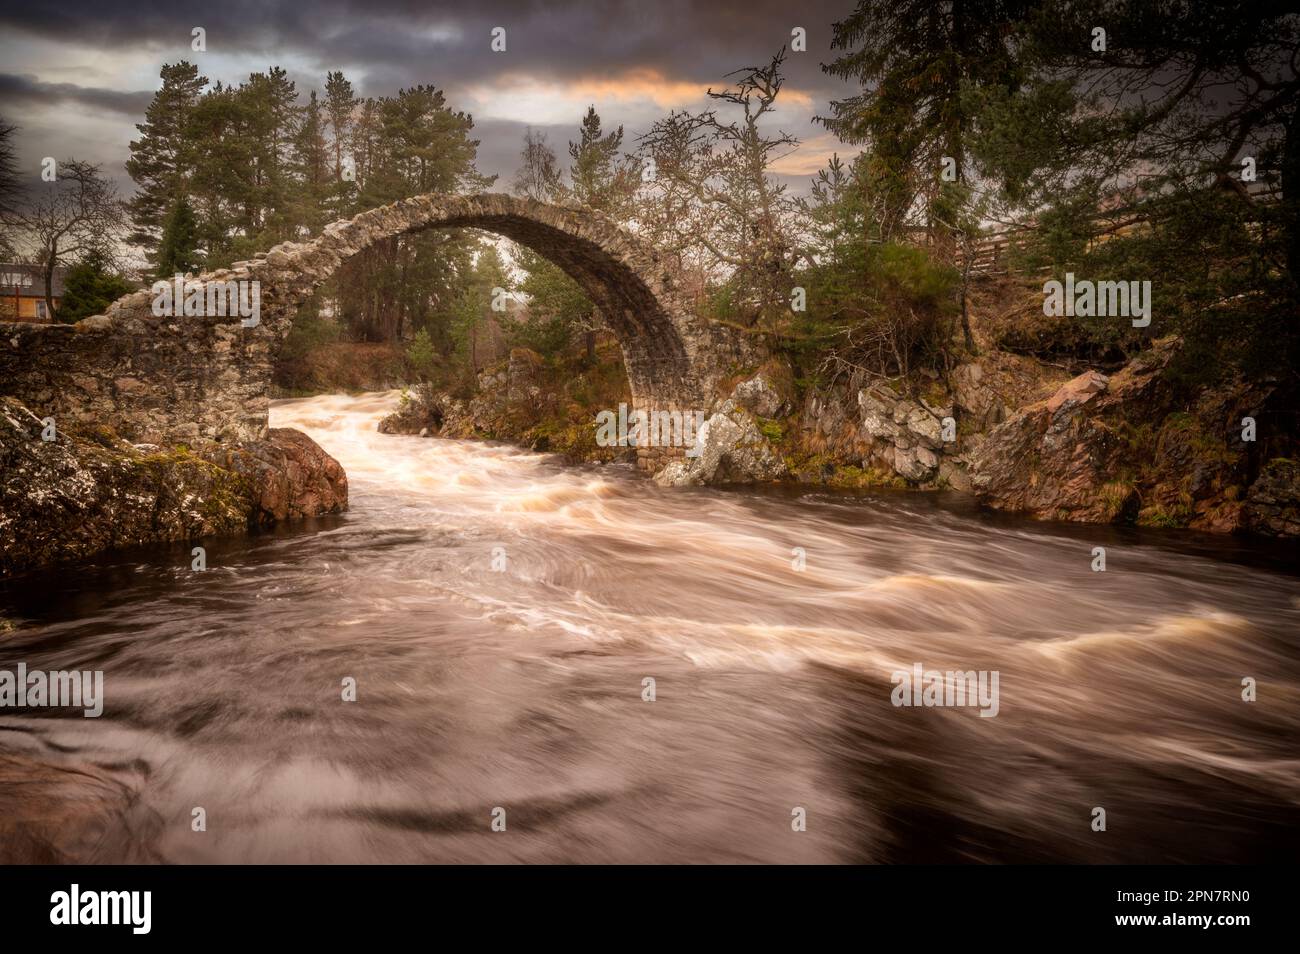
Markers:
{"x": 167, "y": 379}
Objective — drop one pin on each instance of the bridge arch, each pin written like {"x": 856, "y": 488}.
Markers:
{"x": 166, "y": 378}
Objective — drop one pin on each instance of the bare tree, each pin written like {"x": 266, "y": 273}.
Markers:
{"x": 66, "y": 219}
{"x": 8, "y": 183}
{"x": 712, "y": 199}
{"x": 539, "y": 174}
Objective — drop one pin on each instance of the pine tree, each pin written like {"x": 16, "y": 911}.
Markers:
{"x": 178, "y": 248}
{"x": 597, "y": 178}
{"x": 406, "y": 145}
{"x": 311, "y": 161}
{"x": 340, "y": 108}
{"x": 270, "y": 118}
{"x": 90, "y": 287}
{"x": 219, "y": 193}
{"x": 472, "y": 312}
{"x": 916, "y": 60}
{"x": 1127, "y": 161}
{"x": 163, "y": 157}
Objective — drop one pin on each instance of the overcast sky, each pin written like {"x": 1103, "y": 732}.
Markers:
{"x": 77, "y": 75}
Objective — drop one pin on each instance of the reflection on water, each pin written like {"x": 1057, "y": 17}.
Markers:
{"x": 522, "y": 689}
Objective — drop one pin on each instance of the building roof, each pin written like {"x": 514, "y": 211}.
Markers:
{"x": 28, "y": 281}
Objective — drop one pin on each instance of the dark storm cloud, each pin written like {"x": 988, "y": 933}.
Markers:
{"x": 29, "y": 91}
{"x": 399, "y": 41}
{"x": 631, "y": 60}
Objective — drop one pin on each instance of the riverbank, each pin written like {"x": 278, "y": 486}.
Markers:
{"x": 1133, "y": 447}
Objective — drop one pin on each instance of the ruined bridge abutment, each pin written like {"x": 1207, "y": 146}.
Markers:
{"x": 166, "y": 379}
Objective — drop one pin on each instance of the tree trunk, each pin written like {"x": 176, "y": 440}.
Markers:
{"x": 49, "y": 287}
{"x": 1291, "y": 196}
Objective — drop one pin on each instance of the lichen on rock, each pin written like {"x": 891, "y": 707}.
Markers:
{"x": 88, "y": 490}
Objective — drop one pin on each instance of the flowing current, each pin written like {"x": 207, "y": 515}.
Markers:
{"x": 501, "y": 613}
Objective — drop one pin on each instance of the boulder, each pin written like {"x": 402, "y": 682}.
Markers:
{"x": 905, "y": 435}
{"x": 760, "y": 396}
{"x": 1064, "y": 457}
{"x": 732, "y": 450}
{"x": 1273, "y": 504}
{"x": 290, "y": 477}
{"x": 878, "y": 415}
{"x": 88, "y": 490}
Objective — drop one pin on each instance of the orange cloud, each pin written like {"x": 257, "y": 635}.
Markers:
{"x": 529, "y": 98}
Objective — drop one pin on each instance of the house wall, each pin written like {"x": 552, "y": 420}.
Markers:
{"x": 26, "y": 307}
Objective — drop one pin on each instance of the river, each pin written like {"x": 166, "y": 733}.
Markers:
{"x": 500, "y": 614}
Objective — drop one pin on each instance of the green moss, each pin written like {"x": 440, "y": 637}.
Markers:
{"x": 771, "y": 429}
{"x": 222, "y": 497}
{"x": 935, "y": 394}
{"x": 1176, "y": 516}
{"x": 573, "y": 436}
{"x": 850, "y": 477}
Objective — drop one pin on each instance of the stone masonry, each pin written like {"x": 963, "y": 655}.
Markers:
{"x": 168, "y": 379}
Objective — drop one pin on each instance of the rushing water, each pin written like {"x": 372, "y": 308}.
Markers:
{"x": 522, "y": 688}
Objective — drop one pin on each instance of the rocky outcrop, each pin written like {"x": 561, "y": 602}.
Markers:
{"x": 1050, "y": 459}
{"x": 762, "y": 396}
{"x": 524, "y": 374}
{"x": 731, "y": 450}
{"x": 905, "y": 436}
{"x": 1123, "y": 448}
{"x": 498, "y": 409}
{"x": 1129, "y": 447}
{"x": 87, "y": 490}
{"x": 420, "y": 412}
{"x": 523, "y": 401}
{"x": 1273, "y": 506}
{"x": 874, "y": 430}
